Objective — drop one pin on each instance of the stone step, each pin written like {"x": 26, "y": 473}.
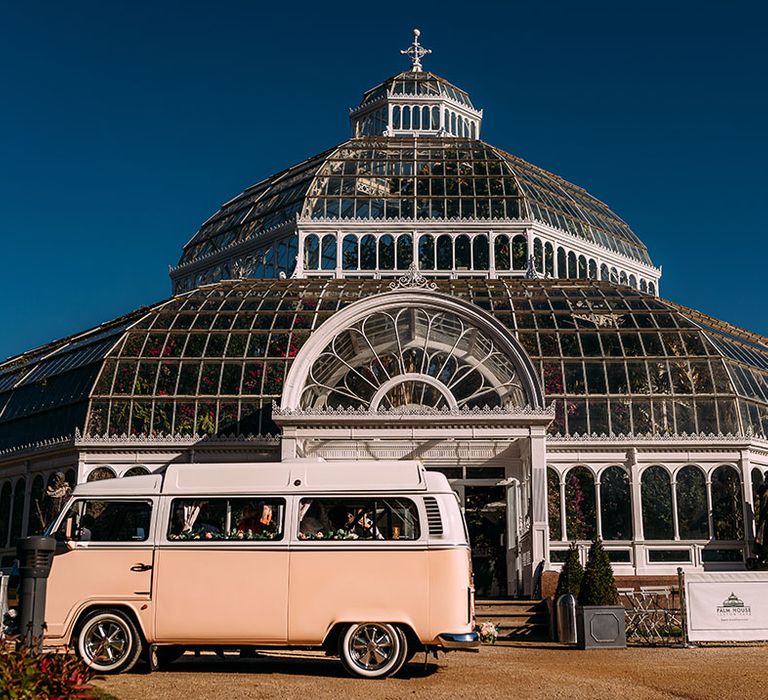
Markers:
{"x": 515, "y": 619}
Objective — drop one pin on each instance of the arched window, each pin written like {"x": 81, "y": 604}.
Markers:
{"x": 614, "y": 275}
{"x": 101, "y": 474}
{"x": 573, "y": 271}
{"x": 691, "y": 493}
{"x": 444, "y": 252}
{"x": 329, "y": 252}
{"x": 651, "y": 288}
{"x": 396, "y": 117}
{"x": 17, "y": 515}
{"x": 472, "y": 131}
{"x": 519, "y": 253}
{"x": 416, "y": 118}
{"x": 5, "y": 513}
{"x": 349, "y": 252}
{"x": 282, "y": 256}
{"x": 35, "y": 524}
{"x": 453, "y": 123}
{"x": 386, "y": 252}
{"x": 562, "y": 265}
{"x": 435, "y": 118}
{"x": 311, "y": 252}
{"x": 582, "y": 267}
{"x": 426, "y": 252}
{"x": 580, "y": 517}
{"x": 549, "y": 260}
{"x": 623, "y": 277}
{"x": 404, "y": 251}
{"x": 501, "y": 252}
{"x": 727, "y": 512}
{"x": 425, "y": 119}
{"x": 463, "y": 255}
{"x": 615, "y": 509}
{"x": 480, "y": 252}
{"x": 538, "y": 255}
{"x": 656, "y": 495}
{"x": 592, "y": 270}
{"x": 136, "y": 471}
{"x": 604, "y": 274}
{"x": 406, "y": 117}
{"x": 553, "y": 505}
{"x": 643, "y": 285}
{"x": 633, "y": 281}
{"x": 293, "y": 247}
{"x": 368, "y": 252}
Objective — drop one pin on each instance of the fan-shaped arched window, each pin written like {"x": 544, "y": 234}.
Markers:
{"x": 328, "y": 260}
{"x": 412, "y": 356}
{"x": 17, "y": 516}
{"x": 549, "y": 260}
{"x": 404, "y": 251}
{"x": 480, "y": 252}
{"x": 136, "y": 471}
{"x": 727, "y": 508}
{"x": 386, "y": 252}
{"x": 311, "y": 252}
{"x": 553, "y": 505}
{"x": 615, "y": 508}
{"x": 501, "y": 252}
{"x": 580, "y": 515}
{"x": 691, "y": 494}
{"x": 349, "y": 252}
{"x": 519, "y": 253}
{"x": 368, "y": 252}
{"x": 5, "y": 512}
{"x": 463, "y": 255}
{"x": 656, "y": 496}
{"x": 444, "y": 252}
{"x": 426, "y": 252}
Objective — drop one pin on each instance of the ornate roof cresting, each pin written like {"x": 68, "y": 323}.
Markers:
{"x": 412, "y": 279}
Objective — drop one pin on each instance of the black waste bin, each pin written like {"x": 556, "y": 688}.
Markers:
{"x": 35, "y": 558}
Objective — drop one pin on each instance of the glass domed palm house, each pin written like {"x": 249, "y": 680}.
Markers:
{"x": 416, "y": 292}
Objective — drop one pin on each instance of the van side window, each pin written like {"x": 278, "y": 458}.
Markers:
{"x": 227, "y": 519}
{"x": 106, "y": 521}
{"x": 358, "y": 519}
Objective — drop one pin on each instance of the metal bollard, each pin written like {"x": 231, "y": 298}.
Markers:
{"x": 35, "y": 559}
{"x": 566, "y": 619}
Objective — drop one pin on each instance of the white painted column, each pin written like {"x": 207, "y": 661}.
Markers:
{"x": 539, "y": 525}
{"x": 563, "y": 528}
{"x": 675, "y": 522}
{"x": 338, "y": 272}
{"x": 638, "y": 539}
{"x": 300, "y": 255}
{"x": 598, "y": 508}
{"x": 749, "y": 500}
{"x": 491, "y": 255}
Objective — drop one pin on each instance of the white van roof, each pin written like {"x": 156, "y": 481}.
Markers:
{"x": 301, "y": 475}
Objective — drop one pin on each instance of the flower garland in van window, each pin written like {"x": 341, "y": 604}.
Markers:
{"x": 332, "y": 535}
{"x": 232, "y": 535}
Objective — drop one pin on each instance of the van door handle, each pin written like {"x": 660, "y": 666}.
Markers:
{"x": 141, "y": 567}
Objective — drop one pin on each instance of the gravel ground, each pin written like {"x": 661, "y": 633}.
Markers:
{"x": 542, "y": 671}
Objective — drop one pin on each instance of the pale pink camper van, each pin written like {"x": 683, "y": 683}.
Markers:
{"x": 367, "y": 560}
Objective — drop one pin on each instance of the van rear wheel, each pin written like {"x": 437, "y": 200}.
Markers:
{"x": 109, "y": 642}
{"x": 373, "y": 649}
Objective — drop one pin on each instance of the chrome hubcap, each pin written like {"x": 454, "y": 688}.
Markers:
{"x": 372, "y": 647}
{"x": 106, "y": 643}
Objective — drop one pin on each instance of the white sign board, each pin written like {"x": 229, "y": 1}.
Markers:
{"x": 727, "y": 607}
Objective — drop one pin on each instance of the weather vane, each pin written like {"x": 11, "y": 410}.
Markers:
{"x": 416, "y": 51}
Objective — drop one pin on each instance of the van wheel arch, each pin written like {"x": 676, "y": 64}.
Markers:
{"x": 331, "y": 642}
{"x": 83, "y": 615}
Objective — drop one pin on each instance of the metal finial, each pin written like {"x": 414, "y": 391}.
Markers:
{"x": 416, "y": 51}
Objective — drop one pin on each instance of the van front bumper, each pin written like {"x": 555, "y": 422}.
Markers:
{"x": 469, "y": 641}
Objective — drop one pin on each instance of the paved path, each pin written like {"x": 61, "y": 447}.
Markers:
{"x": 529, "y": 673}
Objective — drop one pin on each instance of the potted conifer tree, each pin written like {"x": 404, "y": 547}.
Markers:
{"x": 568, "y": 584}
{"x": 599, "y": 616}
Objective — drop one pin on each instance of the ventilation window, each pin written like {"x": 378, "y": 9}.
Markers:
{"x": 434, "y": 521}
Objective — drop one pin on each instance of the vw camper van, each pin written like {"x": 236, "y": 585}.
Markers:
{"x": 366, "y": 560}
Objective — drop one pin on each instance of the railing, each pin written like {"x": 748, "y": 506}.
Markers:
{"x": 654, "y": 615}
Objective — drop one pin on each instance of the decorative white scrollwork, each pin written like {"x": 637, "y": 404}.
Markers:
{"x": 412, "y": 279}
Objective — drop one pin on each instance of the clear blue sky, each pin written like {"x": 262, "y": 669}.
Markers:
{"x": 124, "y": 125}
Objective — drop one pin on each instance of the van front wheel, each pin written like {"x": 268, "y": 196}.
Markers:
{"x": 109, "y": 642}
{"x": 373, "y": 649}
